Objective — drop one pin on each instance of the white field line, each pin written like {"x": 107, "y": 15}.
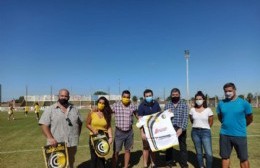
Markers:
{"x": 84, "y": 146}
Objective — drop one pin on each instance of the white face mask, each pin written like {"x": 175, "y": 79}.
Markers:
{"x": 199, "y": 102}
{"x": 229, "y": 95}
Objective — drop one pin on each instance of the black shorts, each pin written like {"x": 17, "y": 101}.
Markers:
{"x": 227, "y": 143}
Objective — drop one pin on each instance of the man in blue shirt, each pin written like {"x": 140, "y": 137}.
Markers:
{"x": 235, "y": 114}
{"x": 180, "y": 121}
{"x": 147, "y": 107}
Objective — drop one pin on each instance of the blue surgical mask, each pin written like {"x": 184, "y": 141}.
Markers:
{"x": 149, "y": 99}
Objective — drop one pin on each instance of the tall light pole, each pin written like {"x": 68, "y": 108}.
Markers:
{"x": 257, "y": 103}
{"x": 187, "y": 56}
{"x": 0, "y": 94}
{"x": 51, "y": 94}
{"x": 119, "y": 86}
{"x": 26, "y": 94}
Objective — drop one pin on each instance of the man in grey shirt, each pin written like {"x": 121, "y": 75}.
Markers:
{"x": 62, "y": 122}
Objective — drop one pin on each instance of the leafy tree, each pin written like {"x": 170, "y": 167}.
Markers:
{"x": 241, "y": 96}
{"x": 134, "y": 99}
{"x": 216, "y": 97}
{"x": 250, "y": 97}
{"x": 207, "y": 97}
{"x": 20, "y": 100}
{"x": 100, "y": 93}
{"x": 141, "y": 99}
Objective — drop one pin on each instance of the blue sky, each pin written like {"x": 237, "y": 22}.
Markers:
{"x": 88, "y": 45}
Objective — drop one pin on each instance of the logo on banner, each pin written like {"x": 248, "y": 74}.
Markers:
{"x": 100, "y": 144}
{"x": 57, "y": 160}
{"x": 56, "y": 157}
{"x": 159, "y": 130}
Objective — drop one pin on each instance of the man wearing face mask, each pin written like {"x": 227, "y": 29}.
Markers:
{"x": 147, "y": 107}
{"x": 235, "y": 114}
{"x": 62, "y": 122}
{"x": 180, "y": 121}
{"x": 124, "y": 135}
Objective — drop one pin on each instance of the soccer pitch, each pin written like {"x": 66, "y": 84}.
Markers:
{"x": 21, "y": 141}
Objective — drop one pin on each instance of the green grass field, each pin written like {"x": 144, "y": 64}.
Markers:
{"x": 21, "y": 141}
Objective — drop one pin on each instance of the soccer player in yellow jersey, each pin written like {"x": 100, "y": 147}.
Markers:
{"x": 26, "y": 109}
{"x": 10, "y": 111}
{"x": 37, "y": 110}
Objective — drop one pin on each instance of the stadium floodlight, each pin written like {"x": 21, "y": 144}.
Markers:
{"x": 257, "y": 101}
{"x": 119, "y": 89}
{"x": 26, "y": 94}
{"x": 51, "y": 93}
{"x": 187, "y": 56}
{"x": 0, "y": 94}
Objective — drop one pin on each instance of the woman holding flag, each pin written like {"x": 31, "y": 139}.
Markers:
{"x": 99, "y": 120}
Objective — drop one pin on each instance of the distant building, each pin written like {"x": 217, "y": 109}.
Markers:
{"x": 44, "y": 98}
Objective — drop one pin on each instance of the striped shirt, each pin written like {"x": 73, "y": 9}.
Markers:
{"x": 123, "y": 115}
{"x": 180, "y": 112}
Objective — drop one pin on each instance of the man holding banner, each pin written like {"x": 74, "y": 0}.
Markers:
{"x": 147, "y": 107}
{"x": 180, "y": 121}
{"x": 62, "y": 122}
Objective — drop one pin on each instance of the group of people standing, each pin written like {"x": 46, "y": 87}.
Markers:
{"x": 62, "y": 122}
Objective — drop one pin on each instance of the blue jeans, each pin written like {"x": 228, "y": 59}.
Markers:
{"x": 202, "y": 139}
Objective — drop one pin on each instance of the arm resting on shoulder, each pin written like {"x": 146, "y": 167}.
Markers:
{"x": 249, "y": 119}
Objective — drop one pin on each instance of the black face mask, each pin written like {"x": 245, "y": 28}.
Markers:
{"x": 63, "y": 102}
{"x": 175, "y": 99}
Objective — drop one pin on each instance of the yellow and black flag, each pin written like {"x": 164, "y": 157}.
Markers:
{"x": 100, "y": 144}
{"x": 56, "y": 157}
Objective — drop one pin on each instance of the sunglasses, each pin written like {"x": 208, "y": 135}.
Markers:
{"x": 69, "y": 122}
